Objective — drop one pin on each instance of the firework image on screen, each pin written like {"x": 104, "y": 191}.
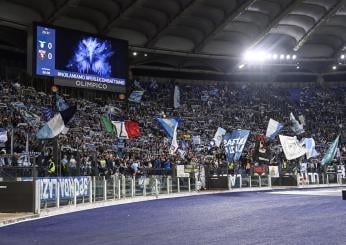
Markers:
{"x": 92, "y": 56}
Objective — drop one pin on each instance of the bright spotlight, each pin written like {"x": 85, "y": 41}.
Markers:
{"x": 334, "y": 67}
{"x": 282, "y": 56}
{"x": 298, "y": 67}
{"x": 145, "y": 55}
{"x": 241, "y": 66}
{"x": 288, "y": 57}
{"x": 294, "y": 57}
{"x": 249, "y": 55}
{"x": 342, "y": 56}
{"x": 134, "y": 53}
{"x": 275, "y": 56}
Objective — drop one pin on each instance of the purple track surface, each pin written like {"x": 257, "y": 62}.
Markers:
{"x": 232, "y": 218}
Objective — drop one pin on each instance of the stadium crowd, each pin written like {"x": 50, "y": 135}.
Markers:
{"x": 87, "y": 149}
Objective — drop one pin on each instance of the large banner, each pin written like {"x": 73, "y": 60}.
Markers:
{"x": 66, "y": 187}
{"x": 234, "y": 143}
{"x": 291, "y": 147}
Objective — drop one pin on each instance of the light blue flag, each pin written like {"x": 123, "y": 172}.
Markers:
{"x": 273, "y": 129}
{"x": 234, "y": 143}
{"x": 330, "y": 154}
{"x": 168, "y": 124}
{"x": 136, "y": 96}
{"x": 52, "y": 128}
{"x": 61, "y": 104}
{"x": 310, "y": 148}
{"x": 3, "y": 135}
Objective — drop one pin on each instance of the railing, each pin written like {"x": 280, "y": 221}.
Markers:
{"x": 56, "y": 192}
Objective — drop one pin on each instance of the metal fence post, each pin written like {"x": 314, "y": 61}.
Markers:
{"x": 240, "y": 180}
{"x": 167, "y": 179}
{"x": 104, "y": 188}
{"x": 37, "y": 197}
{"x": 229, "y": 182}
{"x": 133, "y": 186}
{"x": 113, "y": 187}
{"x": 259, "y": 181}
{"x": 124, "y": 185}
{"x": 327, "y": 179}
{"x": 250, "y": 185}
{"x": 144, "y": 186}
{"x": 74, "y": 193}
{"x": 91, "y": 191}
{"x": 178, "y": 184}
{"x": 94, "y": 185}
{"x": 189, "y": 183}
{"x": 156, "y": 187}
{"x": 269, "y": 181}
{"x": 57, "y": 194}
{"x": 119, "y": 188}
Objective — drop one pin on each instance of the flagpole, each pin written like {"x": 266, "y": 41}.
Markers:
{"x": 12, "y": 141}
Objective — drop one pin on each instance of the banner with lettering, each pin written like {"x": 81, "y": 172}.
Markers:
{"x": 234, "y": 143}
{"x": 67, "y": 187}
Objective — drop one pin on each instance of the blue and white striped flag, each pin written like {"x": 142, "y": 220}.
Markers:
{"x": 273, "y": 128}
{"x": 168, "y": 124}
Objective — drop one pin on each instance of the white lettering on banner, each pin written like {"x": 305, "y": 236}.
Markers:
{"x": 48, "y": 187}
{"x": 233, "y": 179}
{"x": 234, "y": 145}
{"x": 91, "y": 84}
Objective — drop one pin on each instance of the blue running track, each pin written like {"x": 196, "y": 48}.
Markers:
{"x": 232, "y": 218}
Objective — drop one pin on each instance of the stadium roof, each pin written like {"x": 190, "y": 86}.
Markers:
{"x": 208, "y": 35}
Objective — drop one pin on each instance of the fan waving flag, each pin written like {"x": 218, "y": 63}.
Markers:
{"x": 296, "y": 127}
{"x": 291, "y": 147}
{"x": 330, "y": 154}
{"x": 168, "y": 124}
{"x": 61, "y": 104}
{"x": 107, "y": 124}
{"x": 3, "y": 135}
{"x": 57, "y": 124}
{"x": 273, "y": 129}
{"x": 310, "y": 147}
{"x": 132, "y": 129}
{"x": 174, "y": 144}
{"x": 120, "y": 129}
{"x": 176, "y": 102}
{"x": 234, "y": 143}
{"x": 136, "y": 96}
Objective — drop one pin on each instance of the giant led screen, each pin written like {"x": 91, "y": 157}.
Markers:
{"x": 79, "y": 59}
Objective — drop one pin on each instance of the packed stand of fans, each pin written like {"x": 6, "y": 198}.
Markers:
{"x": 87, "y": 149}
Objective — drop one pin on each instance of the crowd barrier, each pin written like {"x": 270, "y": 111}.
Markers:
{"x": 55, "y": 192}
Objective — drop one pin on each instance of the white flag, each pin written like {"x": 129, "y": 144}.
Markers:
{"x": 218, "y": 136}
{"x": 176, "y": 97}
{"x": 174, "y": 145}
{"x": 3, "y": 136}
{"x": 121, "y": 129}
{"x": 291, "y": 147}
{"x": 273, "y": 128}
